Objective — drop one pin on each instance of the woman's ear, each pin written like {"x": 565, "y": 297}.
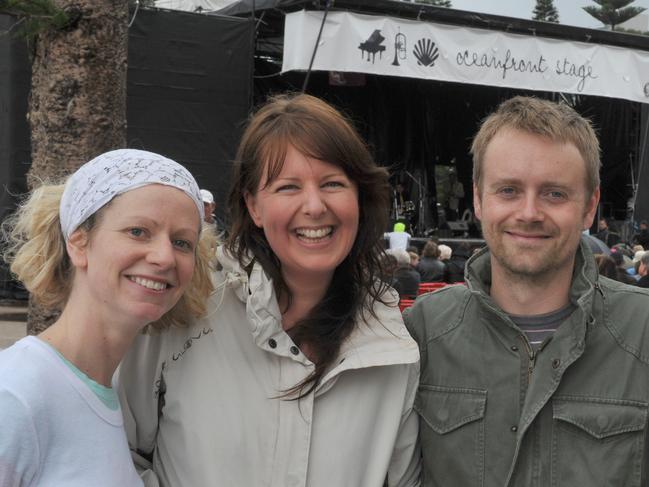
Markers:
{"x": 77, "y": 246}
{"x": 251, "y": 204}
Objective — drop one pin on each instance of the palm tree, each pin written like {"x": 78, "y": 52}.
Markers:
{"x": 613, "y": 12}
{"x": 77, "y": 102}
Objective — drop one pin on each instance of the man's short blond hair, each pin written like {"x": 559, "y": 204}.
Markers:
{"x": 556, "y": 121}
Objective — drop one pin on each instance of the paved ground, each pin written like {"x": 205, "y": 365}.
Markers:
{"x": 12, "y": 322}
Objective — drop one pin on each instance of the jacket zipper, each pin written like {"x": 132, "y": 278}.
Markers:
{"x": 598, "y": 289}
{"x": 532, "y": 359}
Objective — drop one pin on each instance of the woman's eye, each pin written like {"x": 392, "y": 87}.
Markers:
{"x": 136, "y": 232}
{"x": 286, "y": 187}
{"x": 183, "y": 244}
{"x": 334, "y": 184}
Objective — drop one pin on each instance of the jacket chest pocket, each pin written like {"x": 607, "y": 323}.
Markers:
{"x": 452, "y": 434}
{"x": 597, "y": 442}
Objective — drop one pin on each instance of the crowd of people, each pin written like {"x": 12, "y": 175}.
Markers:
{"x": 625, "y": 263}
{"x": 274, "y": 353}
{"x": 406, "y": 269}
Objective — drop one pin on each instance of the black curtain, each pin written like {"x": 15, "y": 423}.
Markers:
{"x": 15, "y": 149}
{"x": 189, "y": 91}
{"x": 641, "y": 207}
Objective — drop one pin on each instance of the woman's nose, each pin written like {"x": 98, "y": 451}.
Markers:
{"x": 314, "y": 204}
{"x": 161, "y": 253}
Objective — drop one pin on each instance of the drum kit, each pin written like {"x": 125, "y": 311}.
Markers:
{"x": 404, "y": 211}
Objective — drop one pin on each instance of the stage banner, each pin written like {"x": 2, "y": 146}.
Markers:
{"x": 397, "y": 47}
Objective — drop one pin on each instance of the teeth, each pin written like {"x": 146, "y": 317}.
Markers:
{"x": 314, "y": 233}
{"x": 149, "y": 284}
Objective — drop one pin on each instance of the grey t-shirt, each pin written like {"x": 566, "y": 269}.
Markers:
{"x": 539, "y": 328}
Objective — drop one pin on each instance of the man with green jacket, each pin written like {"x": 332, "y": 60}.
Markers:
{"x": 536, "y": 373}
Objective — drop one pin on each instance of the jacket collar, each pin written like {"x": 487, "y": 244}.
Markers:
{"x": 373, "y": 342}
{"x": 584, "y": 278}
{"x": 377, "y": 340}
{"x": 255, "y": 290}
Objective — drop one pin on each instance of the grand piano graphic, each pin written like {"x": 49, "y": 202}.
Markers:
{"x": 372, "y": 45}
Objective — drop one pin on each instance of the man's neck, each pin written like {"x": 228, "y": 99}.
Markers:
{"x": 530, "y": 295}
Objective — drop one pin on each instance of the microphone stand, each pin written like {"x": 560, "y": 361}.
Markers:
{"x": 421, "y": 217}
{"x": 395, "y": 204}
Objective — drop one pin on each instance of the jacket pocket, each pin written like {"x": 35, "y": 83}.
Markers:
{"x": 452, "y": 434}
{"x": 597, "y": 442}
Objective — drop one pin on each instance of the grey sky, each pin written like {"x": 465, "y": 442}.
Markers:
{"x": 570, "y": 11}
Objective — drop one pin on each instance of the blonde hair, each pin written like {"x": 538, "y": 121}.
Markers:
{"x": 556, "y": 121}
{"x": 35, "y": 250}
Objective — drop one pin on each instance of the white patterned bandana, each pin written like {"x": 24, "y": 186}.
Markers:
{"x": 97, "y": 182}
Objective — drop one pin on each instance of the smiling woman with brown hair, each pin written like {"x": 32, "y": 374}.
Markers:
{"x": 303, "y": 374}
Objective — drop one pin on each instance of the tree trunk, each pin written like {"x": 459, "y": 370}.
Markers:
{"x": 77, "y": 106}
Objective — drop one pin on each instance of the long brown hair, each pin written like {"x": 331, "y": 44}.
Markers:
{"x": 319, "y": 131}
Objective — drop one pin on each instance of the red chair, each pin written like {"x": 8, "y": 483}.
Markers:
{"x": 405, "y": 303}
{"x": 427, "y": 287}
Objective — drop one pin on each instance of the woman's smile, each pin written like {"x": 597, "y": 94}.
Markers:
{"x": 309, "y": 214}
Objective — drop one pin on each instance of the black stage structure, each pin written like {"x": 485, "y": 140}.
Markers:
{"x": 414, "y": 125}
{"x": 15, "y": 148}
{"x": 193, "y": 78}
{"x": 189, "y": 90}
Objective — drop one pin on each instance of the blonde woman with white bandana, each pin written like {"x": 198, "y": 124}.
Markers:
{"x": 117, "y": 247}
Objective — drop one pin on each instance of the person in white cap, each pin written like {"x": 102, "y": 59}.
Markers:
{"x": 117, "y": 247}
{"x": 209, "y": 205}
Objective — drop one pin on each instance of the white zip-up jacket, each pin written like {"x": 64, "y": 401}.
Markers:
{"x": 205, "y": 401}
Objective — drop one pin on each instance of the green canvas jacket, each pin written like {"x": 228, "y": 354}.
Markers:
{"x": 493, "y": 413}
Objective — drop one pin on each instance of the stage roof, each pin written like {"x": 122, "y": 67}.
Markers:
{"x": 271, "y": 10}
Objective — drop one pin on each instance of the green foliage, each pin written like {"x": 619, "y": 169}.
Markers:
{"x": 35, "y": 16}
{"x": 437, "y": 3}
{"x": 613, "y": 12}
{"x": 546, "y": 11}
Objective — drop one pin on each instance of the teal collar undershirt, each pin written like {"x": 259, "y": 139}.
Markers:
{"x": 105, "y": 394}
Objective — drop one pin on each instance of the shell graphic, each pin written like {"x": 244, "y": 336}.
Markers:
{"x": 426, "y": 52}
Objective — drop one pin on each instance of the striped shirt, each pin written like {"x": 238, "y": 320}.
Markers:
{"x": 540, "y": 328}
